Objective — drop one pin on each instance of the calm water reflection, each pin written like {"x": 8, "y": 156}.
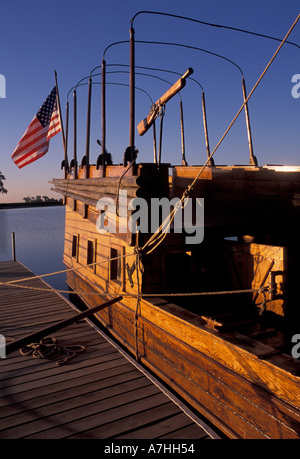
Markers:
{"x": 39, "y": 234}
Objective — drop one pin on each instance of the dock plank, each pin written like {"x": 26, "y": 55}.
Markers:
{"x": 98, "y": 394}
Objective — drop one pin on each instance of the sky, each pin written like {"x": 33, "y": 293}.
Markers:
{"x": 39, "y": 37}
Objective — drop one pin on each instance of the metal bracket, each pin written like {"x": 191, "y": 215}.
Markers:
{"x": 273, "y": 285}
{"x": 212, "y": 323}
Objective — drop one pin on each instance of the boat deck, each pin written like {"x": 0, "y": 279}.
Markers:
{"x": 101, "y": 393}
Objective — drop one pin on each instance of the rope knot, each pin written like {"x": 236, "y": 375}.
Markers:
{"x": 187, "y": 192}
{"x": 263, "y": 291}
{"x": 137, "y": 251}
{"x": 138, "y": 259}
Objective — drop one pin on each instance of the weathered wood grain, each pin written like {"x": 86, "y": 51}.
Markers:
{"x": 39, "y": 399}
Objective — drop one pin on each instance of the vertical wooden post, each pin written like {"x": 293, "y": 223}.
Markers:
{"x": 132, "y": 93}
{"x": 13, "y": 246}
{"x": 183, "y": 160}
{"x": 67, "y": 127}
{"x": 103, "y": 104}
{"x": 88, "y": 128}
{"x": 75, "y": 134}
{"x": 160, "y": 134}
{"x": 253, "y": 160}
{"x": 154, "y": 144}
{"x": 66, "y": 162}
{"x": 211, "y": 161}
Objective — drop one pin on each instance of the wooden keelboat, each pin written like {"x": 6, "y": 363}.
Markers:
{"x": 229, "y": 355}
{"x": 216, "y": 320}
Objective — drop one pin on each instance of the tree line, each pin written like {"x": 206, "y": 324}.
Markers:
{"x": 31, "y": 200}
{"x": 41, "y": 200}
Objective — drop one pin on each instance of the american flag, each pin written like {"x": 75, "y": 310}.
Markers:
{"x": 35, "y": 142}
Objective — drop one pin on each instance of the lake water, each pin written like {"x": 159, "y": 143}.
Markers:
{"x": 39, "y": 236}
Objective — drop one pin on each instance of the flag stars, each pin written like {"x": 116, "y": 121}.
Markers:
{"x": 45, "y": 112}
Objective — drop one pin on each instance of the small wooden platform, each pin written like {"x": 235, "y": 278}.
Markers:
{"x": 98, "y": 394}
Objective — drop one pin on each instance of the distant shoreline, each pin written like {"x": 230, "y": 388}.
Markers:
{"x": 17, "y": 205}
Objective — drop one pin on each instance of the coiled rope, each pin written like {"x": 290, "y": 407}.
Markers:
{"x": 50, "y": 349}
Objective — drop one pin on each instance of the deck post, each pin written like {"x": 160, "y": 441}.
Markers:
{"x": 13, "y": 246}
{"x": 67, "y": 128}
{"x": 183, "y": 160}
{"x": 211, "y": 161}
{"x": 66, "y": 162}
{"x": 88, "y": 128}
{"x": 75, "y": 134}
{"x": 253, "y": 160}
{"x": 103, "y": 114}
{"x": 132, "y": 93}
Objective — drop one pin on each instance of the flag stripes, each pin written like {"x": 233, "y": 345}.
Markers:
{"x": 35, "y": 142}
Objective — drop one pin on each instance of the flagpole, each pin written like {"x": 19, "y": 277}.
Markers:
{"x": 66, "y": 163}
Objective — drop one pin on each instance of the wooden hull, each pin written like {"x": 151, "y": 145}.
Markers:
{"x": 247, "y": 384}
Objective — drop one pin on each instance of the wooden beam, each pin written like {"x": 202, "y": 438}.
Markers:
{"x": 134, "y": 181}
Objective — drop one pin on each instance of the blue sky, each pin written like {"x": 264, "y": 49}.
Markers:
{"x": 38, "y": 37}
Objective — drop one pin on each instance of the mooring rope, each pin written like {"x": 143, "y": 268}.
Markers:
{"x": 50, "y": 349}
{"x": 141, "y": 295}
{"x": 40, "y": 276}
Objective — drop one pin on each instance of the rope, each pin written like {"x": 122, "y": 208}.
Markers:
{"x": 263, "y": 304}
{"x": 119, "y": 185}
{"x": 138, "y": 299}
{"x": 223, "y": 292}
{"x": 49, "y": 349}
{"x": 140, "y": 295}
{"x": 162, "y": 231}
{"x": 40, "y": 276}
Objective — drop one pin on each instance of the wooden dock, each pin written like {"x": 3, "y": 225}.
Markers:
{"x": 100, "y": 393}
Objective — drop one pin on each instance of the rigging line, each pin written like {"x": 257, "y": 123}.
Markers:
{"x": 176, "y": 44}
{"x": 189, "y": 47}
{"x": 119, "y": 185}
{"x": 214, "y": 25}
{"x": 110, "y": 83}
